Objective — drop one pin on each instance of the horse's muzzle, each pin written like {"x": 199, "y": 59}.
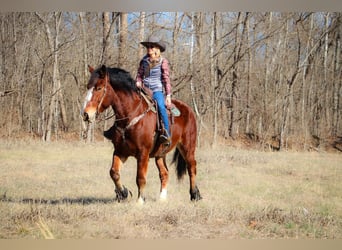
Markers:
{"x": 86, "y": 117}
{"x": 89, "y": 115}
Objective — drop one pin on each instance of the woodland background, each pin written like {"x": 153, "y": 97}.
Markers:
{"x": 271, "y": 78}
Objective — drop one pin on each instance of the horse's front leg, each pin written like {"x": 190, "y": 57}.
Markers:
{"x": 142, "y": 165}
{"x": 120, "y": 190}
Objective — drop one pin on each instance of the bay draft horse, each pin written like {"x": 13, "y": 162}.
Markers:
{"x": 134, "y": 132}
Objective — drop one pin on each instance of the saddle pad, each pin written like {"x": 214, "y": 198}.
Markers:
{"x": 175, "y": 111}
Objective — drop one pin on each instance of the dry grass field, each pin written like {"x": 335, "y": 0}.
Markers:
{"x": 63, "y": 190}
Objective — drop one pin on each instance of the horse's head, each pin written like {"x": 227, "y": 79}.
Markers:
{"x": 97, "y": 98}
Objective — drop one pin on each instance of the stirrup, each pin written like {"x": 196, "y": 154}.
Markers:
{"x": 165, "y": 138}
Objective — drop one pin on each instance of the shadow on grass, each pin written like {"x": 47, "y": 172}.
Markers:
{"x": 80, "y": 200}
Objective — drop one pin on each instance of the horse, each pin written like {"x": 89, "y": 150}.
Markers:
{"x": 135, "y": 131}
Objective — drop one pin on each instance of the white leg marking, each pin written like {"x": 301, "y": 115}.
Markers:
{"x": 163, "y": 195}
{"x": 140, "y": 201}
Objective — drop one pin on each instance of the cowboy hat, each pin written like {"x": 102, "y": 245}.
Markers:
{"x": 152, "y": 40}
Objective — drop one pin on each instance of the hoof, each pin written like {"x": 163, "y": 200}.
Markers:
{"x": 122, "y": 195}
{"x": 195, "y": 194}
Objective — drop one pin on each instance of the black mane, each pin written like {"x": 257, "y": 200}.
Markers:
{"x": 120, "y": 79}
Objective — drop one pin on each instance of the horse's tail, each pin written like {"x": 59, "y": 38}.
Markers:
{"x": 181, "y": 165}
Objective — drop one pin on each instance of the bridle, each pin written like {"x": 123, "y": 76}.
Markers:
{"x": 103, "y": 94}
{"x": 102, "y": 98}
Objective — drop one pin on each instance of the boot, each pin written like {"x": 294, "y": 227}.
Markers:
{"x": 165, "y": 138}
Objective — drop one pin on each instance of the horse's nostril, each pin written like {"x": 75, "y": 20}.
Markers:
{"x": 85, "y": 116}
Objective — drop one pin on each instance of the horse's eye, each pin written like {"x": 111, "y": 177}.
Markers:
{"x": 98, "y": 88}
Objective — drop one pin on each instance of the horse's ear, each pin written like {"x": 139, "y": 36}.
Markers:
{"x": 103, "y": 71}
{"x": 91, "y": 69}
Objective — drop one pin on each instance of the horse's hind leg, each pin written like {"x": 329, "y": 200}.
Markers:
{"x": 120, "y": 190}
{"x": 192, "y": 171}
{"x": 188, "y": 154}
{"x": 163, "y": 175}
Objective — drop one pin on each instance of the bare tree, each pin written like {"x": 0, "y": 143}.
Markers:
{"x": 233, "y": 126}
{"x": 56, "y": 94}
{"x": 84, "y": 46}
{"x": 274, "y": 75}
{"x": 141, "y": 34}
{"x": 105, "y": 38}
{"x": 123, "y": 39}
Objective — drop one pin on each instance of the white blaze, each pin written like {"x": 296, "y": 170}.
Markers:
{"x": 87, "y": 99}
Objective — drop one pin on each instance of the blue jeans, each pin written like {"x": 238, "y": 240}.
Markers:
{"x": 159, "y": 97}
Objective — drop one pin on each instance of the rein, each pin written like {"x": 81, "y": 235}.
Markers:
{"x": 106, "y": 118}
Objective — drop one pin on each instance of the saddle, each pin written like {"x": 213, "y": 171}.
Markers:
{"x": 172, "y": 112}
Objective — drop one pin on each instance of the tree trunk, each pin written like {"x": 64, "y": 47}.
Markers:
{"x": 325, "y": 70}
{"x": 213, "y": 75}
{"x": 84, "y": 48}
{"x": 85, "y": 76}
{"x": 56, "y": 95}
{"x": 304, "y": 88}
{"x": 123, "y": 59}
{"x": 248, "y": 81}
{"x": 283, "y": 116}
{"x": 288, "y": 105}
{"x": 268, "y": 73}
{"x": 141, "y": 50}
{"x": 337, "y": 83}
{"x": 192, "y": 87}
{"x": 105, "y": 37}
{"x": 234, "y": 124}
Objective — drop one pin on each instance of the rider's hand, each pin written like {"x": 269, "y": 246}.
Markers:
{"x": 138, "y": 84}
{"x": 168, "y": 101}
